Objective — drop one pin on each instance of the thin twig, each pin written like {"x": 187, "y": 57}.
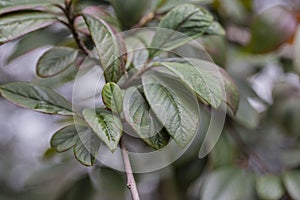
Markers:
{"x": 131, "y": 184}
{"x": 147, "y": 18}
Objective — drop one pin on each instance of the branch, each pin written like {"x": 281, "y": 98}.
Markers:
{"x": 145, "y": 20}
{"x": 68, "y": 11}
{"x": 130, "y": 178}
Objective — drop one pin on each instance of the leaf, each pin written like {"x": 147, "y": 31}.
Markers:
{"x": 269, "y": 187}
{"x": 14, "y": 5}
{"x": 210, "y": 82}
{"x": 165, "y": 5}
{"x": 55, "y": 61}
{"x": 269, "y": 29}
{"x": 137, "y": 48}
{"x": 129, "y": 12}
{"x": 15, "y": 25}
{"x": 112, "y": 96}
{"x": 137, "y": 113}
{"x": 224, "y": 152}
{"x": 37, "y": 98}
{"x": 107, "y": 126}
{"x": 86, "y": 147}
{"x": 229, "y": 183}
{"x": 60, "y": 79}
{"x": 65, "y": 138}
{"x": 109, "y": 47}
{"x": 215, "y": 28}
{"x": 84, "y": 141}
{"x": 202, "y": 79}
{"x": 181, "y": 25}
{"x": 292, "y": 182}
{"x": 173, "y": 104}
{"x": 29, "y": 42}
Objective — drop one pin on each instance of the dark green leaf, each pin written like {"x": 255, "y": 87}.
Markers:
{"x": 65, "y": 138}
{"x": 14, "y": 5}
{"x": 13, "y": 26}
{"x": 269, "y": 187}
{"x": 107, "y": 126}
{"x": 112, "y": 96}
{"x": 173, "y": 104}
{"x": 269, "y": 29}
{"x": 108, "y": 46}
{"x": 138, "y": 115}
{"x": 55, "y": 61}
{"x": 166, "y": 5}
{"x": 37, "y": 98}
{"x": 129, "y": 12}
{"x": 292, "y": 182}
{"x": 179, "y": 26}
{"x": 86, "y": 147}
{"x": 202, "y": 78}
{"x": 229, "y": 183}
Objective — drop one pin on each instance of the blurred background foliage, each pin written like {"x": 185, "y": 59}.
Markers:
{"x": 258, "y": 154}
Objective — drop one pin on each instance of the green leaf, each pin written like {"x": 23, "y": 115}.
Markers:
{"x": 112, "y": 96}
{"x": 229, "y": 183}
{"x": 60, "y": 79}
{"x": 85, "y": 142}
{"x": 269, "y": 29}
{"x": 224, "y": 152}
{"x": 107, "y": 126}
{"x": 215, "y": 28}
{"x": 55, "y": 61}
{"x": 269, "y": 187}
{"x": 173, "y": 104}
{"x": 292, "y": 182}
{"x": 46, "y": 36}
{"x": 37, "y": 98}
{"x": 210, "y": 82}
{"x": 165, "y": 5}
{"x": 65, "y": 138}
{"x": 129, "y": 12}
{"x": 137, "y": 114}
{"x": 14, "y": 5}
{"x": 15, "y": 25}
{"x": 189, "y": 20}
{"x": 87, "y": 147}
{"x": 108, "y": 46}
{"x": 201, "y": 78}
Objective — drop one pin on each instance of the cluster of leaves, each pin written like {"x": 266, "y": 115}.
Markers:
{"x": 175, "y": 112}
{"x": 257, "y": 156}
